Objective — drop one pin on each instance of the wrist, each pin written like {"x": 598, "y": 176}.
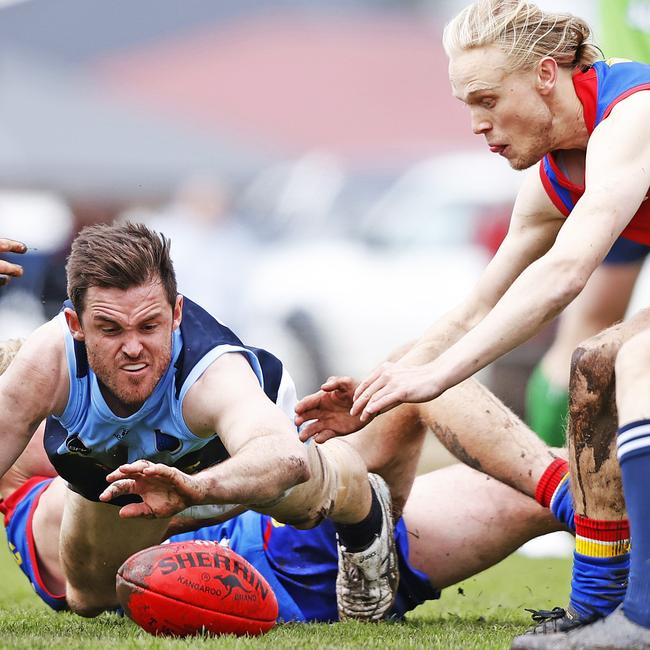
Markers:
{"x": 207, "y": 488}
{"x": 439, "y": 375}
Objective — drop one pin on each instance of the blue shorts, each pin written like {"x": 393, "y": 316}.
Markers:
{"x": 626, "y": 251}
{"x": 301, "y": 565}
{"x": 18, "y": 510}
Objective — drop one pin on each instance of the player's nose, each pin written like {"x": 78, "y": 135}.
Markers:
{"x": 132, "y": 346}
{"x": 479, "y": 123}
{"x": 480, "y": 126}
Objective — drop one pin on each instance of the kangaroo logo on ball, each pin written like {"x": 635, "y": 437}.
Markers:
{"x": 230, "y": 582}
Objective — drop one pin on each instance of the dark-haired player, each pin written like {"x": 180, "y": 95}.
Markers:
{"x": 132, "y": 370}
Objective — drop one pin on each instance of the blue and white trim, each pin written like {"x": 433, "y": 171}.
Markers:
{"x": 632, "y": 438}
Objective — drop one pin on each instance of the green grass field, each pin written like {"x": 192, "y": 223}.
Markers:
{"x": 483, "y": 612}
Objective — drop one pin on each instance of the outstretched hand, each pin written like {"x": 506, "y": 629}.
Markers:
{"x": 329, "y": 409}
{"x": 392, "y": 384}
{"x": 165, "y": 490}
{"x": 7, "y": 269}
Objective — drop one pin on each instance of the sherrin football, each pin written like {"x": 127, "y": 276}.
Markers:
{"x": 187, "y": 588}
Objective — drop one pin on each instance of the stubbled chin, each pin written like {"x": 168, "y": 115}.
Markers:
{"x": 133, "y": 391}
{"x": 520, "y": 165}
{"x": 137, "y": 391}
{"x": 132, "y": 400}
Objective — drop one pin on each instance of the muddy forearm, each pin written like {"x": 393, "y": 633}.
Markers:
{"x": 260, "y": 472}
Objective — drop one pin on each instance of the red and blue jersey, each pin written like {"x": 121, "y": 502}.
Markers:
{"x": 599, "y": 89}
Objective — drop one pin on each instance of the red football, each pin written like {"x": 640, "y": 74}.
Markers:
{"x": 187, "y": 588}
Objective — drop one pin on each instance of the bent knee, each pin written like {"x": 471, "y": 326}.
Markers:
{"x": 591, "y": 354}
{"x": 87, "y": 605}
{"x": 592, "y": 367}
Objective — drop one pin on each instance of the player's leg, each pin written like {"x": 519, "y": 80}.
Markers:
{"x": 593, "y": 418}
{"x": 360, "y": 506}
{"x": 391, "y": 446}
{"x": 477, "y": 428}
{"x": 601, "y": 303}
{"x": 32, "y": 515}
{"x": 601, "y": 559}
{"x": 628, "y": 626}
{"x": 46, "y": 528}
{"x": 94, "y": 542}
{"x": 473, "y": 523}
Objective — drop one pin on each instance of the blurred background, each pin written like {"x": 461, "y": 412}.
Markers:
{"x": 323, "y": 191}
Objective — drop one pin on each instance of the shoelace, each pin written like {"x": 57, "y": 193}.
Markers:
{"x": 545, "y": 615}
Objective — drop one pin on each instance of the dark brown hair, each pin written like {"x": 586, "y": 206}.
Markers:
{"x": 120, "y": 255}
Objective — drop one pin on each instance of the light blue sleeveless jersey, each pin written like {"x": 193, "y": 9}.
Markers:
{"x": 89, "y": 437}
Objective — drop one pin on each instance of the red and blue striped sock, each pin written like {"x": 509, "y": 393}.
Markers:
{"x": 601, "y": 560}
{"x": 554, "y": 491}
{"x": 601, "y": 565}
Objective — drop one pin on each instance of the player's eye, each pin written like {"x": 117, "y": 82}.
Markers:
{"x": 488, "y": 102}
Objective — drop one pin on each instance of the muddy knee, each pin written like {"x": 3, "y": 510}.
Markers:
{"x": 592, "y": 385}
{"x": 592, "y": 368}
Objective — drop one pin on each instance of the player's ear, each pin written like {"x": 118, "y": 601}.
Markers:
{"x": 178, "y": 311}
{"x": 74, "y": 324}
{"x": 547, "y": 73}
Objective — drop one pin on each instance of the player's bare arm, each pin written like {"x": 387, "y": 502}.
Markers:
{"x": 34, "y": 386}
{"x": 534, "y": 225}
{"x": 7, "y": 269}
{"x": 618, "y": 176}
{"x": 267, "y": 457}
{"x": 533, "y": 228}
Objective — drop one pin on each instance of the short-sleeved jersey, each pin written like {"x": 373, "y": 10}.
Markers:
{"x": 88, "y": 440}
{"x": 599, "y": 89}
